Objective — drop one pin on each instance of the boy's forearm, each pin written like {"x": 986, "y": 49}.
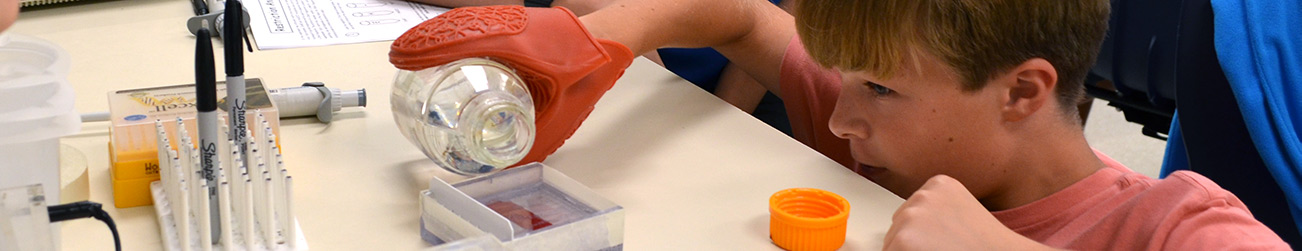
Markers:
{"x": 579, "y": 7}
{"x": 644, "y": 25}
{"x": 467, "y": 3}
{"x": 753, "y": 34}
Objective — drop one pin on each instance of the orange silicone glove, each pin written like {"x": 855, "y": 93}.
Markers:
{"x": 565, "y": 68}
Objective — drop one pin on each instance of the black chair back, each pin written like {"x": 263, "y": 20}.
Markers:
{"x": 1160, "y": 55}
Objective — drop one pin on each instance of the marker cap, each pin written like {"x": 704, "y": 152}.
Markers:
{"x": 205, "y": 76}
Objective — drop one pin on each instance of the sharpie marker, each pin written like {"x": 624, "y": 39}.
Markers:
{"x": 205, "y": 79}
{"x": 235, "y": 95}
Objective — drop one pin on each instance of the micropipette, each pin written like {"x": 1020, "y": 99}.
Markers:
{"x": 313, "y": 98}
{"x": 310, "y": 99}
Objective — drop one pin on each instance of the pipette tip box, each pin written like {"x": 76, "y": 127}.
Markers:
{"x": 531, "y": 207}
{"x": 132, "y": 147}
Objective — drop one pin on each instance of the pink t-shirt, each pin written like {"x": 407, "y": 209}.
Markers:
{"x": 1114, "y": 208}
{"x": 809, "y": 93}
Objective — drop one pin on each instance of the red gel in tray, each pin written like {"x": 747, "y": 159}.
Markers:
{"x": 518, "y": 215}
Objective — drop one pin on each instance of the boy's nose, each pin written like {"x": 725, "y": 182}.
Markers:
{"x": 847, "y": 123}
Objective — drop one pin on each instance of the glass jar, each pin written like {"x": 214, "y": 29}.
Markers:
{"x": 471, "y": 116}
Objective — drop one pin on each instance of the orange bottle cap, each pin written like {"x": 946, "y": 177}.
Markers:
{"x": 807, "y": 219}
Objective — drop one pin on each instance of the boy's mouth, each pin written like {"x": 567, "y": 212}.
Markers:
{"x": 870, "y": 172}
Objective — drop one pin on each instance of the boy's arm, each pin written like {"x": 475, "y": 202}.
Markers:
{"x": 579, "y": 7}
{"x": 466, "y": 3}
{"x": 739, "y": 89}
{"x": 752, "y": 34}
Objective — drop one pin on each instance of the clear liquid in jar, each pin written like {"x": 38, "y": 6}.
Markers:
{"x": 471, "y": 116}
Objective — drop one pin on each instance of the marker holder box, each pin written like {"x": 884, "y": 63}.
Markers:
{"x": 132, "y": 147}
{"x": 172, "y": 239}
{"x": 530, "y": 207}
{"x": 229, "y": 203}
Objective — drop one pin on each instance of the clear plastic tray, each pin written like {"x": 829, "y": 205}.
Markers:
{"x": 531, "y": 207}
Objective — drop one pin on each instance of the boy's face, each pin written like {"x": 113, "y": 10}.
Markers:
{"x": 920, "y": 123}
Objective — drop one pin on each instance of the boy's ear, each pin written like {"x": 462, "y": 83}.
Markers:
{"x": 1030, "y": 87}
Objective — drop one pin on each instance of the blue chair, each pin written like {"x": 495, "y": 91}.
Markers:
{"x": 1160, "y": 55}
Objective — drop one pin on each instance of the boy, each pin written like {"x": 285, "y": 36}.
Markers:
{"x": 966, "y": 108}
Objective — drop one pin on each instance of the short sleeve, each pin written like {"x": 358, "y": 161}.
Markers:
{"x": 809, "y": 92}
{"x": 1218, "y": 221}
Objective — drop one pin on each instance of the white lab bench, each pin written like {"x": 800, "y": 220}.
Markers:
{"x": 692, "y": 172}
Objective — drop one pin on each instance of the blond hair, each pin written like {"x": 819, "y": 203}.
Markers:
{"x": 979, "y": 39}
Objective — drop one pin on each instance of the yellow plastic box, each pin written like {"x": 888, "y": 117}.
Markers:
{"x": 132, "y": 148}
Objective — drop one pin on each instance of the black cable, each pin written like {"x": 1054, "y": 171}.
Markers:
{"x": 85, "y": 209}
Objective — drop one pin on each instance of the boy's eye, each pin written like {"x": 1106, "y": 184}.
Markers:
{"x": 879, "y": 89}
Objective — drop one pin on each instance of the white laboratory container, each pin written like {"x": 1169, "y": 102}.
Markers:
{"x": 36, "y": 109}
{"x": 25, "y": 219}
{"x": 471, "y": 116}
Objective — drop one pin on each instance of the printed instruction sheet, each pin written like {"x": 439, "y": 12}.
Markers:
{"x": 280, "y": 24}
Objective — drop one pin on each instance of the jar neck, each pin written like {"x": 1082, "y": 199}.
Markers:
{"x": 499, "y": 131}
